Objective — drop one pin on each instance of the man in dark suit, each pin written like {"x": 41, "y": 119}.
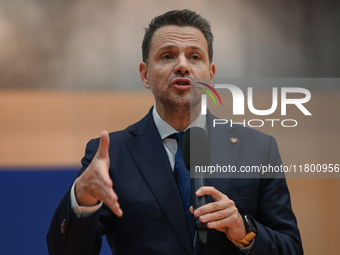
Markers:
{"x": 136, "y": 167}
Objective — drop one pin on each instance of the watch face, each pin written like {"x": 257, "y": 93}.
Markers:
{"x": 249, "y": 224}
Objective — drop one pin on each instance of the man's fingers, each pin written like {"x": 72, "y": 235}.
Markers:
{"x": 112, "y": 202}
{"x": 213, "y": 207}
{"x": 216, "y": 215}
{"x": 115, "y": 208}
{"x": 211, "y": 191}
{"x": 106, "y": 194}
{"x": 103, "y": 149}
{"x": 221, "y": 215}
{"x": 222, "y": 202}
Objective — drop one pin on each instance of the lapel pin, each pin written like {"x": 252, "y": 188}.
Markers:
{"x": 234, "y": 140}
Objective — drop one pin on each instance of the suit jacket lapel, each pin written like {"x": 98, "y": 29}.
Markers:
{"x": 149, "y": 153}
{"x": 223, "y": 151}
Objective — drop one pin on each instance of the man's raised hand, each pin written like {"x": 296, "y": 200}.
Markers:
{"x": 95, "y": 184}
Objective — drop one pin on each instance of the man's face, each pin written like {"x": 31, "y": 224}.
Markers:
{"x": 178, "y": 56}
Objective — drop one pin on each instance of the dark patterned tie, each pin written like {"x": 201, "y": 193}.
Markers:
{"x": 182, "y": 177}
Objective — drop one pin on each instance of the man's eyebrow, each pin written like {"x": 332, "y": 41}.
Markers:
{"x": 167, "y": 47}
{"x": 195, "y": 47}
{"x": 170, "y": 46}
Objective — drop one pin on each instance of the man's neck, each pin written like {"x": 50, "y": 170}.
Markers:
{"x": 179, "y": 120}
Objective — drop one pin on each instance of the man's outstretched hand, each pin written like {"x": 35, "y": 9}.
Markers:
{"x": 95, "y": 184}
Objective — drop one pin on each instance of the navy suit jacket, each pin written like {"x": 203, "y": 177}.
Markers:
{"x": 153, "y": 219}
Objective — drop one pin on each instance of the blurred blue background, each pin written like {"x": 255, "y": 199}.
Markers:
{"x": 29, "y": 199}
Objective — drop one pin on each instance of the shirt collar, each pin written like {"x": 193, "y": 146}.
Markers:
{"x": 165, "y": 129}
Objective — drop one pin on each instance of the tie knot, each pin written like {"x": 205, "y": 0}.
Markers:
{"x": 178, "y": 137}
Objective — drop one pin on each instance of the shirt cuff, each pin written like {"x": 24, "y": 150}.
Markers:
{"x": 82, "y": 211}
{"x": 246, "y": 250}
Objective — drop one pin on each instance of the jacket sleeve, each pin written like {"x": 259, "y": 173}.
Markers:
{"x": 275, "y": 221}
{"x": 68, "y": 234}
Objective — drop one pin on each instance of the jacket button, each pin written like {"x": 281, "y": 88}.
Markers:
{"x": 63, "y": 226}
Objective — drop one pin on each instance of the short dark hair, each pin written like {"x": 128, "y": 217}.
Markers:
{"x": 180, "y": 18}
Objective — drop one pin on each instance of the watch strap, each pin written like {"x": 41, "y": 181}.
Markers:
{"x": 251, "y": 232}
{"x": 245, "y": 241}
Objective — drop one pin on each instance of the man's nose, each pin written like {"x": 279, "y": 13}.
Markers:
{"x": 182, "y": 66}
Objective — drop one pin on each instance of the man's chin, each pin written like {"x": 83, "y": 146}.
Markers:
{"x": 187, "y": 106}
{"x": 181, "y": 102}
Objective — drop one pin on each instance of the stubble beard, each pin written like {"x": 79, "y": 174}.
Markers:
{"x": 181, "y": 102}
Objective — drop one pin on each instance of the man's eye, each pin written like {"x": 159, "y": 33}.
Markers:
{"x": 166, "y": 56}
{"x": 195, "y": 57}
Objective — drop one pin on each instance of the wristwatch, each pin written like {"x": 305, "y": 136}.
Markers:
{"x": 251, "y": 232}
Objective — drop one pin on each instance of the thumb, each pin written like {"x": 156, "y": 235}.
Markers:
{"x": 103, "y": 149}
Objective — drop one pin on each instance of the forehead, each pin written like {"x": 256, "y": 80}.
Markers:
{"x": 178, "y": 36}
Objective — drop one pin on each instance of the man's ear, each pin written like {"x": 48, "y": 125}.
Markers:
{"x": 143, "y": 70}
{"x": 212, "y": 71}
